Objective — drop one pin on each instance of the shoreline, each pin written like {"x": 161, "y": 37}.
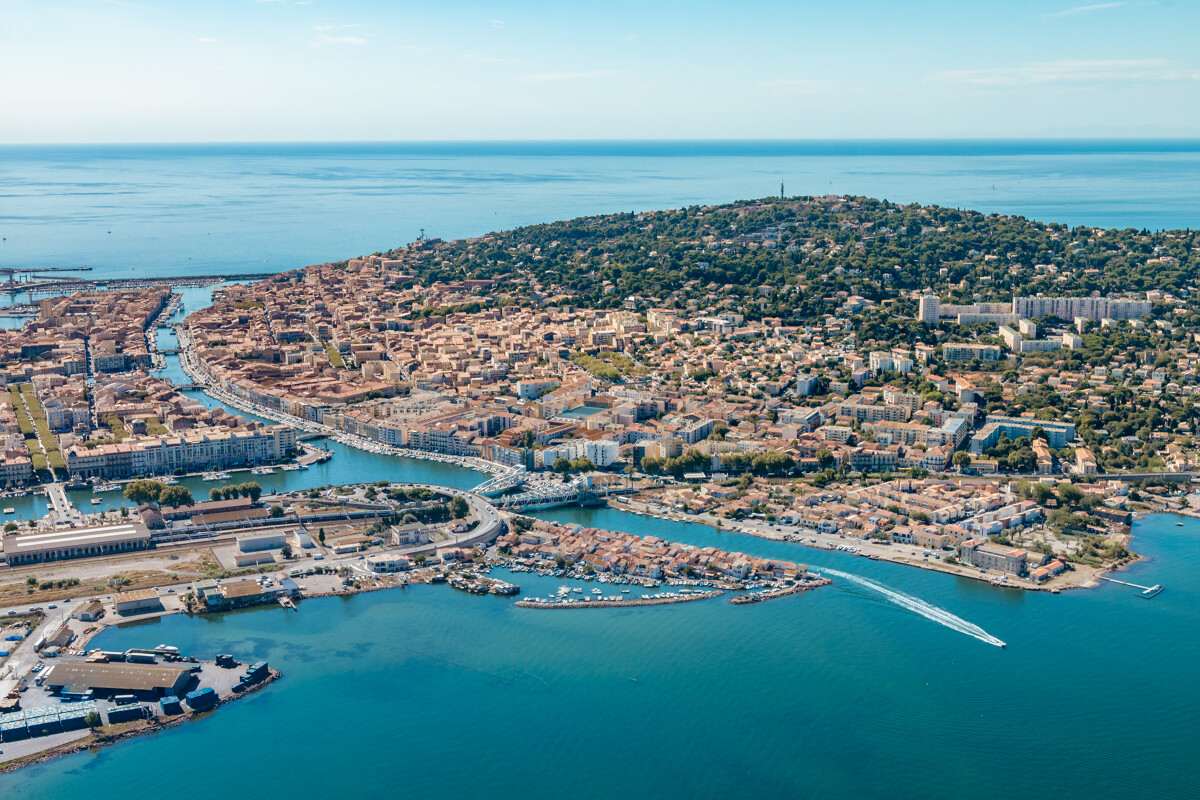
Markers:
{"x": 644, "y": 509}
{"x": 95, "y": 741}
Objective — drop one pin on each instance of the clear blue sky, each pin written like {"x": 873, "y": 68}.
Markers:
{"x": 249, "y": 70}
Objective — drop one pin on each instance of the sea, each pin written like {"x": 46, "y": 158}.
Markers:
{"x": 886, "y": 683}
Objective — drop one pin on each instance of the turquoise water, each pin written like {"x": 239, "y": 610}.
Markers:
{"x": 831, "y": 693}
{"x": 836, "y": 692}
{"x": 191, "y": 209}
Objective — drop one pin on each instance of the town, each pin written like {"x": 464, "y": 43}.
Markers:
{"x": 964, "y": 416}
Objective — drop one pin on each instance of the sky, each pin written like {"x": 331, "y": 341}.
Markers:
{"x": 393, "y": 70}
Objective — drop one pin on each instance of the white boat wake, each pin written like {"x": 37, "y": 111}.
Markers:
{"x": 919, "y": 606}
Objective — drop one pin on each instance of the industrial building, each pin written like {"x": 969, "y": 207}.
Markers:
{"x": 137, "y": 601}
{"x": 144, "y": 680}
{"x": 272, "y": 540}
{"x": 45, "y": 720}
{"x": 37, "y": 547}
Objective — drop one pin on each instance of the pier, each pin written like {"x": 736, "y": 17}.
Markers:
{"x": 1147, "y": 591}
{"x": 114, "y": 284}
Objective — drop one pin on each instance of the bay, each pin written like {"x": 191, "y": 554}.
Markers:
{"x": 131, "y": 210}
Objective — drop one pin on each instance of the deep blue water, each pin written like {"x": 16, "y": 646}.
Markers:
{"x": 193, "y": 209}
{"x": 833, "y": 693}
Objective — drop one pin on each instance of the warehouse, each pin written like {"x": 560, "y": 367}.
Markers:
{"x": 144, "y": 680}
{"x": 261, "y": 541}
{"x": 37, "y": 547}
{"x": 137, "y": 601}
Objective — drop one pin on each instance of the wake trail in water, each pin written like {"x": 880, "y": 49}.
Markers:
{"x": 919, "y": 606}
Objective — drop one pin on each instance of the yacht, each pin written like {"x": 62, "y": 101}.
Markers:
{"x": 10, "y": 511}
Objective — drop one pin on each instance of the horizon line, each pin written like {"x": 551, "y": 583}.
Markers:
{"x": 1182, "y": 139}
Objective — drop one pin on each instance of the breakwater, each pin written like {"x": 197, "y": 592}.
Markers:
{"x": 663, "y": 600}
{"x": 784, "y": 591}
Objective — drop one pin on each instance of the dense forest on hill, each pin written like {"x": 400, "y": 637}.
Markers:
{"x": 799, "y": 258}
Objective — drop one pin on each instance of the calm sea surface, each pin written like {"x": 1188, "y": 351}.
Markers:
{"x": 180, "y": 210}
{"x": 835, "y": 693}
{"x": 845, "y": 691}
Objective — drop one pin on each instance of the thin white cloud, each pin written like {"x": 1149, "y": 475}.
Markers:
{"x": 496, "y": 23}
{"x": 207, "y": 40}
{"x": 324, "y": 39}
{"x": 480, "y": 58}
{"x": 1070, "y": 12}
{"x": 326, "y": 36}
{"x": 1069, "y": 71}
{"x": 805, "y": 85}
{"x": 543, "y": 77}
{"x": 629, "y": 37}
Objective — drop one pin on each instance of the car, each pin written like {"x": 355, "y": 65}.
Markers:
{"x": 12, "y": 613}
{"x": 170, "y": 591}
{"x": 38, "y": 667}
{"x": 52, "y": 605}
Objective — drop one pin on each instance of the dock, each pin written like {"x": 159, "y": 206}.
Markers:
{"x": 1147, "y": 591}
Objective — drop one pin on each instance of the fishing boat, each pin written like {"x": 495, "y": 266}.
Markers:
{"x": 10, "y": 511}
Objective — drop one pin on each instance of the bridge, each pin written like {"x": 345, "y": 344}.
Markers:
{"x": 498, "y": 484}
{"x": 545, "y": 494}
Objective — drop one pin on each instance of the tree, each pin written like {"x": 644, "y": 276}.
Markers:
{"x": 458, "y": 507}
{"x": 561, "y": 465}
{"x": 142, "y": 492}
{"x": 582, "y": 465}
{"x": 1041, "y": 493}
{"x": 92, "y": 720}
{"x": 961, "y": 459}
{"x": 321, "y": 535}
{"x": 9, "y": 527}
{"x": 252, "y": 490}
{"x": 1070, "y": 493}
{"x": 824, "y": 458}
{"x": 286, "y": 550}
{"x": 175, "y": 496}
{"x": 276, "y": 512}
{"x": 215, "y": 494}
{"x": 651, "y": 464}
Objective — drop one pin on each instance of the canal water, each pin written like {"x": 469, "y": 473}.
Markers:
{"x": 348, "y": 465}
{"x": 832, "y": 693}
